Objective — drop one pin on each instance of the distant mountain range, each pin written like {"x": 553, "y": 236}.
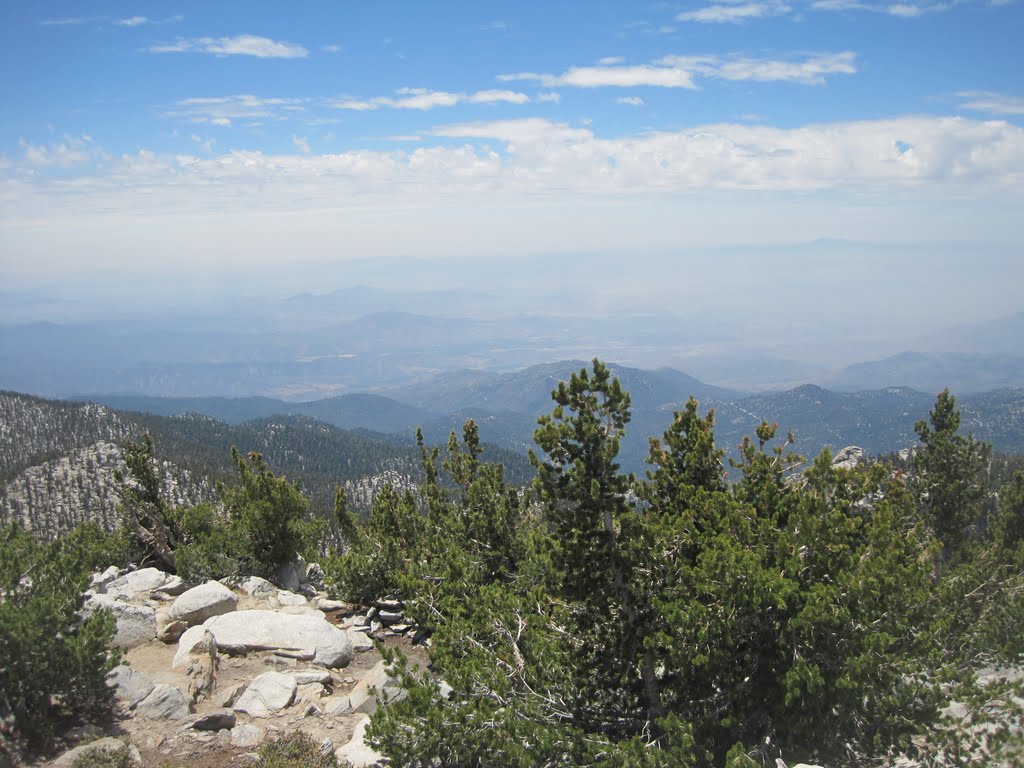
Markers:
{"x": 967, "y": 373}
{"x": 58, "y": 458}
{"x": 507, "y": 405}
{"x": 364, "y": 339}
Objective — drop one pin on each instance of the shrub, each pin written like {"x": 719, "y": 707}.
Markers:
{"x": 53, "y": 663}
{"x": 296, "y": 750}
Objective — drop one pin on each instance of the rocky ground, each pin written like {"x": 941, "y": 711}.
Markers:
{"x": 210, "y": 672}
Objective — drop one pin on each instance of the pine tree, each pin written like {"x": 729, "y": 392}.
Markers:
{"x": 951, "y": 472}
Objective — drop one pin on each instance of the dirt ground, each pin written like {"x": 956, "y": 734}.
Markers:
{"x": 167, "y": 744}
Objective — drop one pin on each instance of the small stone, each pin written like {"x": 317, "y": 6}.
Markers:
{"x": 307, "y": 676}
{"x": 203, "y": 602}
{"x": 173, "y": 587}
{"x": 202, "y": 669}
{"x": 254, "y": 586}
{"x": 246, "y": 735}
{"x": 229, "y": 699}
{"x": 136, "y": 624}
{"x": 165, "y": 702}
{"x": 357, "y": 753}
{"x": 268, "y": 693}
{"x": 130, "y": 685}
{"x": 290, "y": 598}
{"x": 137, "y": 582}
{"x": 99, "y": 581}
{"x": 330, "y": 606}
{"x": 400, "y": 629}
{"x": 359, "y": 639}
{"x": 217, "y": 720}
{"x": 390, "y": 617}
{"x": 310, "y": 692}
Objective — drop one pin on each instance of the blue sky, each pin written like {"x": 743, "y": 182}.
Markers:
{"x": 139, "y": 138}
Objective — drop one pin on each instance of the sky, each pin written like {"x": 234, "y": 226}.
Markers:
{"x": 160, "y": 143}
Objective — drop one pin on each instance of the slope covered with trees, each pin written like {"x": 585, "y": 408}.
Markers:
{"x": 827, "y": 613}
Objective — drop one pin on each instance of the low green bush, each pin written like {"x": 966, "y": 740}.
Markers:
{"x": 53, "y": 663}
{"x": 295, "y": 750}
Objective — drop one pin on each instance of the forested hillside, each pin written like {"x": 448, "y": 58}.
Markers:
{"x": 58, "y": 459}
{"x": 506, "y": 407}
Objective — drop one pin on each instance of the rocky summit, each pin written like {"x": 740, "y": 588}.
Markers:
{"x": 230, "y": 665}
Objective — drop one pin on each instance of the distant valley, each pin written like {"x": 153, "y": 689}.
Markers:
{"x": 507, "y": 405}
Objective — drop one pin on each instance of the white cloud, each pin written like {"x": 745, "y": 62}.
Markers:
{"x": 495, "y": 96}
{"x": 520, "y": 186}
{"x": 683, "y": 71}
{"x": 67, "y": 21}
{"x": 331, "y": 48}
{"x": 133, "y": 21}
{"x": 608, "y": 61}
{"x": 904, "y": 10}
{"x": 551, "y": 97}
{"x": 241, "y": 45}
{"x": 222, "y": 110}
{"x": 610, "y": 76}
{"x": 72, "y": 151}
{"x": 811, "y": 70}
{"x": 839, "y": 5}
{"x": 632, "y": 101}
{"x": 992, "y": 103}
{"x": 301, "y": 143}
{"x": 516, "y": 161}
{"x": 423, "y": 99}
{"x": 734, "y": 13}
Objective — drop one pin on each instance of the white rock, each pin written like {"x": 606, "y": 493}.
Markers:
{"x": 174, "y": 586}
{"x": 357, "y": 753}
{"x": 364, "y": 696}
{"x": 200, "y": 603}
{"x": 130, "y": 685}
{"x": 268, "y": 693}
{"x": 307, "y": 636}
{"x": 307, "y": 676}
{"x": 189, "y": 639}
{"x": 136, "y": 624}
{"x": 310, "y": 692}
{"x": 169, "y": 631}
{"x": 254, "y": 586}
{"x": 108, "y": 746}
{"x": 137, "y": 582}
{"x": 246, "y": 735}
{"x": 99, "y": 581}
{"x": 328, "y": 606}
{"x": 165, "y": 702}
{"x": 848, "y": 458}
{"x": 290, "y": 598}
{"x": 360, "y": 641}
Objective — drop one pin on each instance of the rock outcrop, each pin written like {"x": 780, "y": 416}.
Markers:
{"x": 230, "y": 667}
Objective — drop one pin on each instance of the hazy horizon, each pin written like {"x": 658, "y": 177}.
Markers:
{"x": 781, "y": 190}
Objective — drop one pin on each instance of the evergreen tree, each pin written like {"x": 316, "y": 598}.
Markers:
{"x": 673, "y": 621}
{"x": 53, "y": 662}
{"x": 951, "y": 472}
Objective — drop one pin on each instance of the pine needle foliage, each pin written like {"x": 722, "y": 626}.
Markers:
{"x": 802, "y": 611}
{"x": 53, "y": 662}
